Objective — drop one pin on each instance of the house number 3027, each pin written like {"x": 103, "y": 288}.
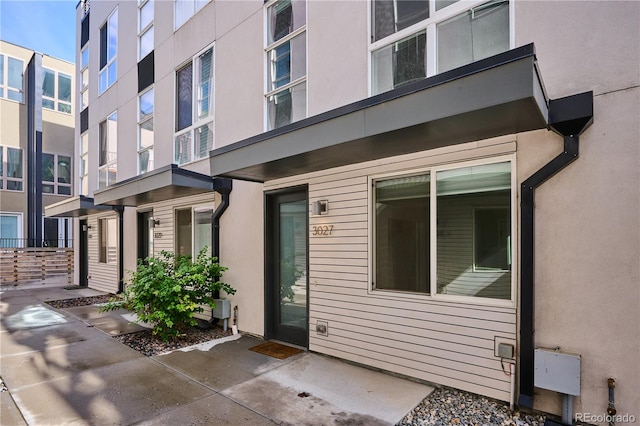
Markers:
{"x": 321, "y": 230}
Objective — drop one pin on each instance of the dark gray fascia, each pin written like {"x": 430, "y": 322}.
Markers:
{"x": 76, "y": 206}
{"x": 155, "y": 186}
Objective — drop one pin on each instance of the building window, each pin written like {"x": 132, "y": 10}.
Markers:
{"x": 185, "y": 9}
{"x": 193, "y": 230}
{"x": 84, "y": 74}
{"x": 56, "y": 174}
{"x": 145, "y": 131}
{"x": 145, "y": 27}
{"x": 108, "y": 235}
{"x": 108, "y": 53}
{"x": 194, "y": 109}
{"x": 402, "y": 233}
{"x": 108, "y": 164}
{"x": 11, "y": 230}
{"x": 11, "y": 174}
{"x": 401, "y": 51}
{"x": 286, "y": 54}
{"x": 471, "y": 232}
{"x": 84, "y": 158}
{"x": 56, "y": 92}
{"x": 11, "y": 78}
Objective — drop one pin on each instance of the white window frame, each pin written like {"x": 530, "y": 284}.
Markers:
{"x": 4, "y": 83}
{"x": 429, "y": 26}
{"x": 201, "y": 207}
{"x": 83, "y": 164}
{"x": 57, "y": 102}
{"x": 142, "y": 31}
{"x": 105, "y": 70}
{"x": 196, "y": 6}
{"x": 55, "y": 184}
{"x": 433, "y": 294}
{"x": 84, "y": 77}
{"x": 107, "y": 258}
{"x": 19, "y": 229}
{"x": 141, "y": 122}
{"x": 4, "y": 178}
{"x": 196, "y": 121}
{"x": 268, "y": 48}
{"x": 112, "y": 157}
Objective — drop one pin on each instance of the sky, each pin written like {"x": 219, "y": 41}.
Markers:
{"x": 46, "y": 26}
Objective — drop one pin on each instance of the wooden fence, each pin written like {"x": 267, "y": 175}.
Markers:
{"x": 29, "y": 264}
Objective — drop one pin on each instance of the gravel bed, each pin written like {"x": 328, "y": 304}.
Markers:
{"x": 453, "y": 407}
{"x": 80, "y": 301}
{"x": 147, "y": 344}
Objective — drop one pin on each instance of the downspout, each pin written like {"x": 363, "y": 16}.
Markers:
{"x": 222, "y": 186}
{"x": 120, "y": 211}
{"x": 569, "y": 117}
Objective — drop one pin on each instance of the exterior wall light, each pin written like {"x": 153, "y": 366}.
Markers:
{"x": 320, "y": 207}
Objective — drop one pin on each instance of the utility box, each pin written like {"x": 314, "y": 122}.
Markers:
{"x": 222, "y": 309}
{"x": 557, "y": 371}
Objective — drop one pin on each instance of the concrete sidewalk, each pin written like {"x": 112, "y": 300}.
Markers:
{"x": 61, "y": 366}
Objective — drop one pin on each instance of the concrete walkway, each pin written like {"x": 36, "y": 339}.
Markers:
{"x": 61, "y": 366}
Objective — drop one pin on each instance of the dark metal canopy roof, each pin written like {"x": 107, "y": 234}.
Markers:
{"x": 158, "y": 185}
{"x": 76, "y": 206}
{"x": 500, "y": 95}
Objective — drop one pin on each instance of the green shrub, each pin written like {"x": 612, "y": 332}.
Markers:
{"x": 167, "y": 291}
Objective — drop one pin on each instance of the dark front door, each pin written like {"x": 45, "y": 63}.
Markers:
{"x": 84, "y": 254}
{"x": 286, "y": 267}
{"x": 145, "y": 238}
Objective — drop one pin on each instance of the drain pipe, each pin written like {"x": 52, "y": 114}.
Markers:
{"x": 568, "y": 117}
{"x": 222, "y": 186}
{"x": 120, "y": 211}
{"x": 611, "y": 409}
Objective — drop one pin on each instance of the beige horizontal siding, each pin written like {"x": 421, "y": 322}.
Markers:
{"x": 103, "y": 276}
{"x": 441, "y": 340}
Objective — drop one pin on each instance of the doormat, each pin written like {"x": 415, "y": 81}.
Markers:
{"x": 73, "y": 287}
{"x": 275, "y": 350}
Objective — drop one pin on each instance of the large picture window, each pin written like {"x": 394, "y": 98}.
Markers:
{"x": 145, "y": 27}
{"x": 108, "y": 53}
{"x": 194, "y": 109}
{"x": 11, "y": 230}
{"x": 108, "y": 240}
{"x": 84, "y": 164}
{"x": 145, "y": 131}
{"x": 471, "y": 232}
{"x": 286, "y": 62}
{"x": 108, "y": 161}
{"x": 11, "y": 78}
{"x": 193, "y": 230}
{"x": 11, "y": 175}
{"x": 56, "y": 91}
{"x": 84, "y": 75}
{"x": 56, "y": 174}
{"x": 414, "y": 39}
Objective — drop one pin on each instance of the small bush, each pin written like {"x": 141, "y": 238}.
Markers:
{"x": 169, "y": 290}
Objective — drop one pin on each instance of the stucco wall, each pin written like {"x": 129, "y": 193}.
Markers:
{"x": 587, "y": 217}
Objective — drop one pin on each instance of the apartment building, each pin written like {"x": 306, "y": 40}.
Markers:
{"x": 36, "y": 146}
{"x": 446, "y": 190}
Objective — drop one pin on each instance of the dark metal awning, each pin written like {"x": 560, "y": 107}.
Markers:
{"x": 76, "y": 206}
{"x": 162, "y": 184}
{"x": 500, "y": 95}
